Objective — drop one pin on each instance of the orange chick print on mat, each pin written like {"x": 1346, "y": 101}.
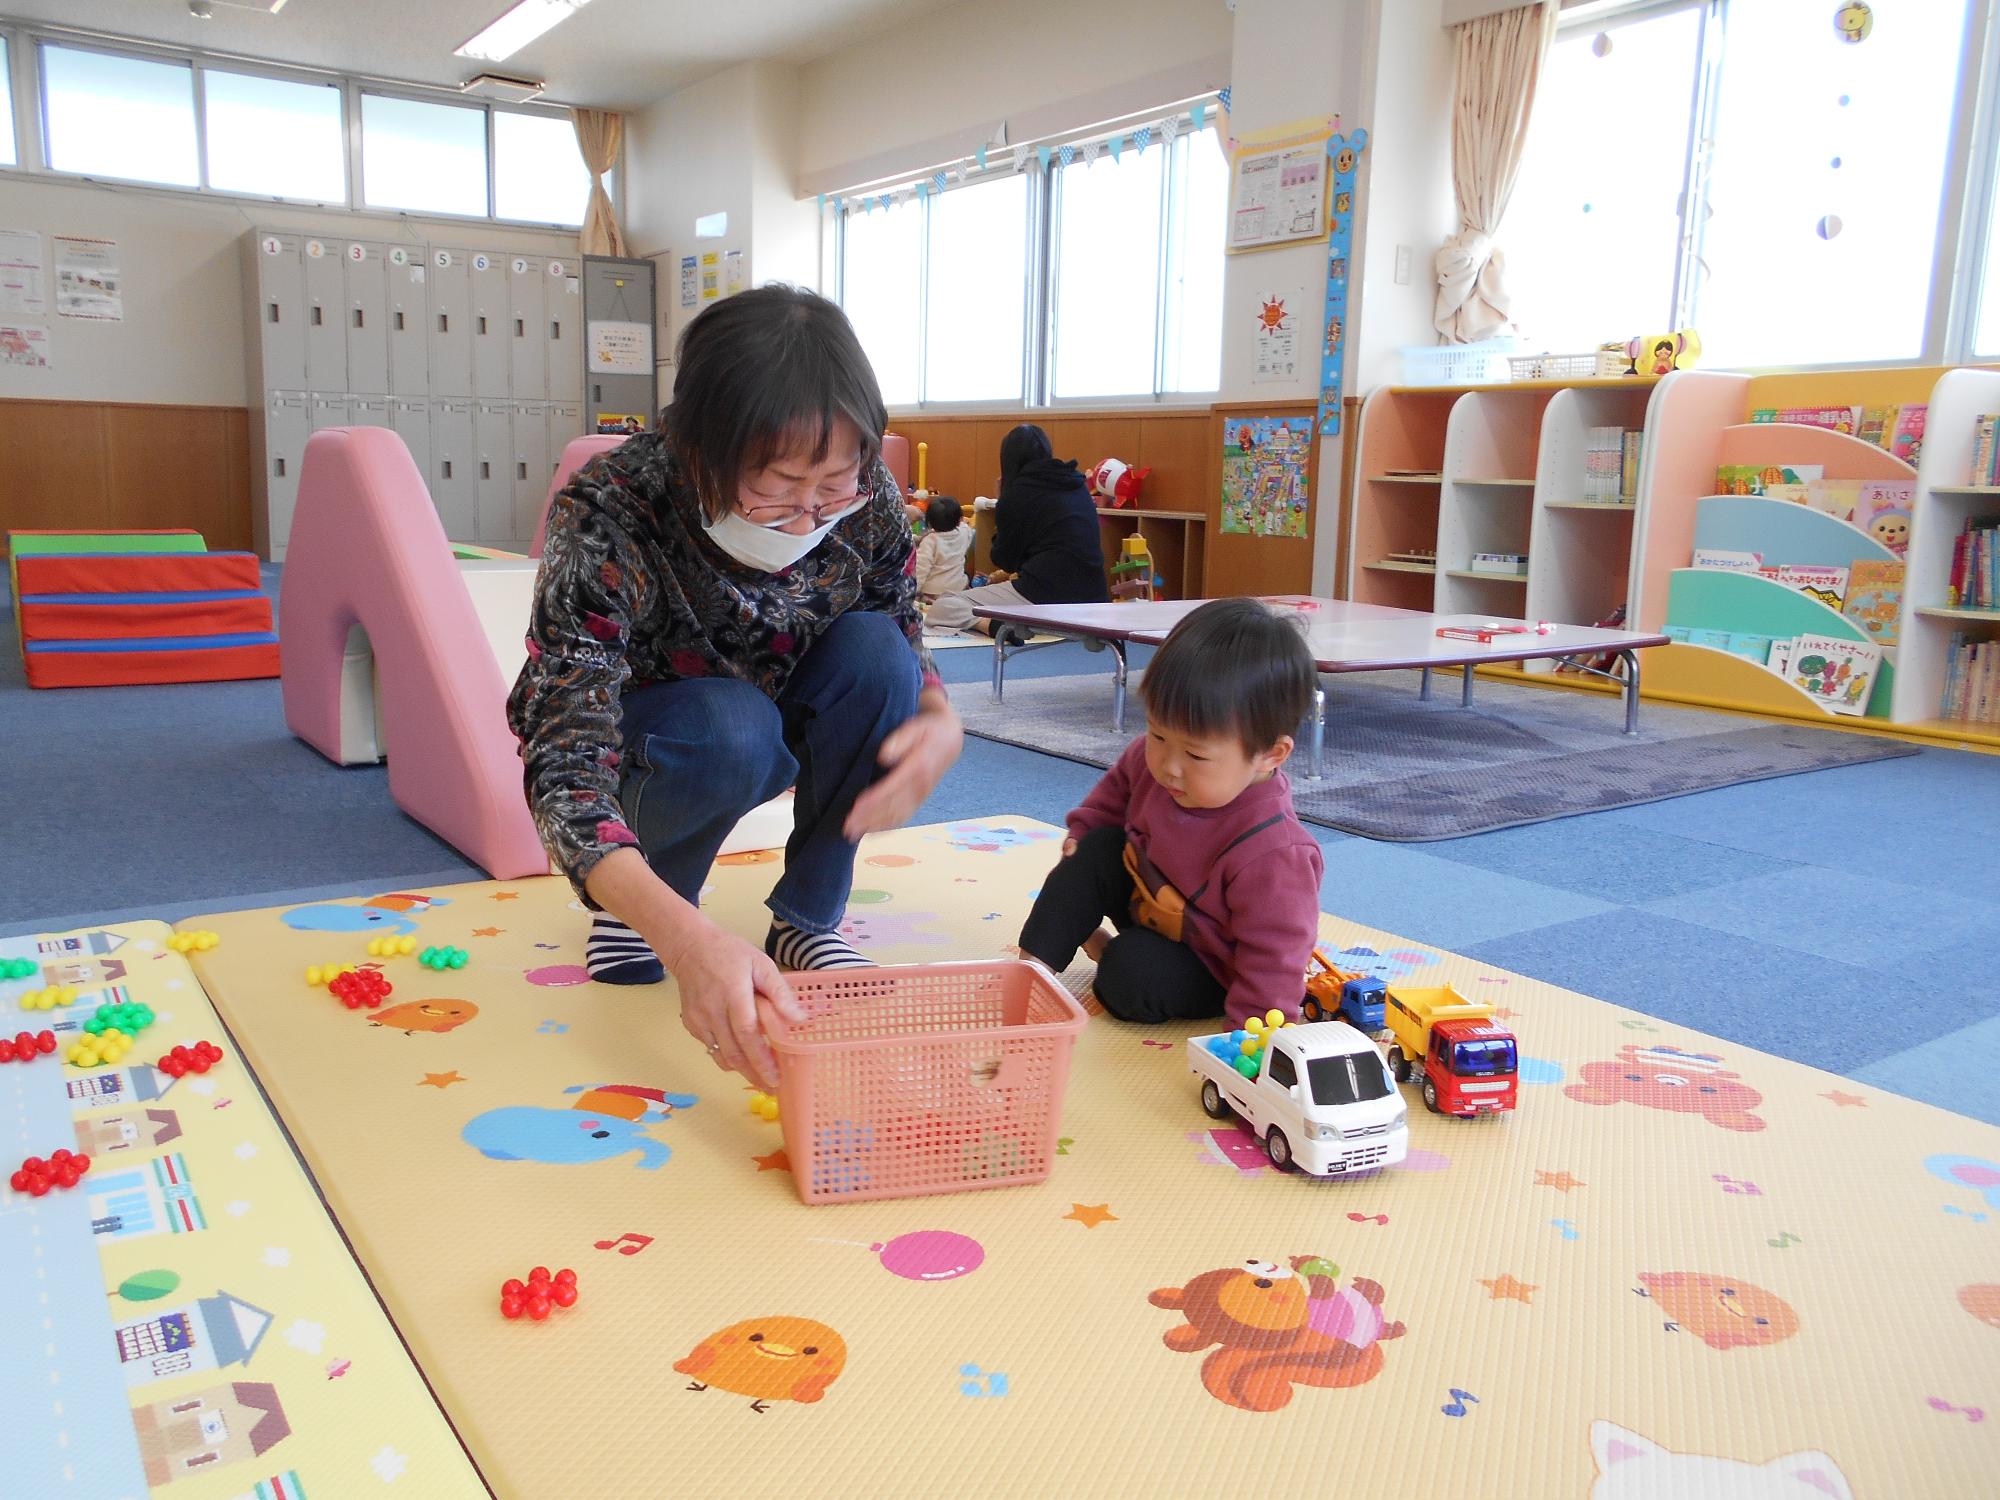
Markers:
{"x": 425, "y": 1015}
{"x": 768, "y": 1359}
{"x": 1982, "y": 1301}
{"x": 1722, "y": 1312}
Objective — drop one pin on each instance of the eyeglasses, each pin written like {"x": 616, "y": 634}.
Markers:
{"x": 778, "y": 517}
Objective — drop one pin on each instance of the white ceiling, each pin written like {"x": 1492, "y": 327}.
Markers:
{"x": 616, "y": 53}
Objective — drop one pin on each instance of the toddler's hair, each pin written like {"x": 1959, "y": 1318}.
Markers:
{"x": 1233, "y": 667}
{"x": 943, "y": 514}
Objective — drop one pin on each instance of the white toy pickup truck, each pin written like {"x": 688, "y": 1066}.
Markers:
{"x": 1321, "y": 1098}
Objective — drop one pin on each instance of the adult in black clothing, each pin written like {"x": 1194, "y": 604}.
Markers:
{"x": 1045, "y": 539}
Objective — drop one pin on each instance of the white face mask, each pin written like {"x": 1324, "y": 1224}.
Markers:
{"x": 762, "y": 548}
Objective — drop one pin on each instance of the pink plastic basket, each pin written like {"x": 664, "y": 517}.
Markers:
{"x": 924, "y": 1078}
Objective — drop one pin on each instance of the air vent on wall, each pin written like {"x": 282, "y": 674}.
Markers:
{"x": 507, "y": 90}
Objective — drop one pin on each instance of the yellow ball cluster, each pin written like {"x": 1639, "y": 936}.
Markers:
{"x": 107, "y": 1047}
{"x": 763, "y": 1105}
{"x": 192, "y": 942}
{"x": 50, "y": 998}
{"x": 391, "y": 947}
{"x": 327, "y": 973}
{"x": 1260, "y": 1029}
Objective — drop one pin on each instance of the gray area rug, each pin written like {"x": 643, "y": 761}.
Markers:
{"x": 1404, "y": 770}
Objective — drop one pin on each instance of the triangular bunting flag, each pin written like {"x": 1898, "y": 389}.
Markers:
{"x": 885, "y": 202}
{"x": 1068, "y": 154}
{"x": 1021, "y": 155}
{"x": 1199, "y": 114}
{"x": 1115, "y": 145}
{"x": 1170, "y": 127}
{"x": 1042, "y": 156}
{"x": 1090, "y": 150}
{"x": 980, "y": 157}
{"x": 923, "y": 190}
{"x": 822, "y": 203}
{"x": 1222, "y": 96}
{"x": 938, "y": 180}
{"x": 1142, "y": 138}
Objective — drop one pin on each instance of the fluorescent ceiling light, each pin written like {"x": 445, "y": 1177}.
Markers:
{"x": 518, "y": 27}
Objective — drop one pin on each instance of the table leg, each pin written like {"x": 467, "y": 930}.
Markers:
{"x": 1465, "y": 693}
{"x": 1424, "y": 692}
{"x": 1316, "y": 768}
{"x": 1117, "y": 687}
{"x": 999, "y": 662}
{"x": 1631, "y": 659}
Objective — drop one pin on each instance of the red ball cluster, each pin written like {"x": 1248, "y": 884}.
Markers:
{"x": 27, "y": 1046}
{"x": 359, "y": 987}
{"x": 196, "y": 1059}
{"x": 540, "y": 1293}
{"x": 61, "y": 1170}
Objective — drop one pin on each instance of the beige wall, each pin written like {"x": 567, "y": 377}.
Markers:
{"x": 181, "y": 340}
{"x": 932, "y": 91}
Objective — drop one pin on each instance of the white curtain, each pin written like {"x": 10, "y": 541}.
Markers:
{"x": 599, "y": 133}
{"x": 1499, "y": 61}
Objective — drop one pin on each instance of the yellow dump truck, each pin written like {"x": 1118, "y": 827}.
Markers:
{"x": 1450, "y": 1045}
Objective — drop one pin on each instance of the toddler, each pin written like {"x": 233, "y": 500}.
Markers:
{"x": 941, "y": 554}
{"x": 1189, "y": 843}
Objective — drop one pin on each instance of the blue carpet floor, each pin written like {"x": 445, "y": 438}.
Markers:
{"x": 1835, "y": 918}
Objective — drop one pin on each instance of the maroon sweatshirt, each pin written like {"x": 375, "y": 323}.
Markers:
{"x": 1256, "y": 924}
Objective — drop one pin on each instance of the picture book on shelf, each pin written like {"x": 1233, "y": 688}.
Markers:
{"x": 1728, "y": 560}
{"x": 1986, "y": 451}
{"x": 1875, "y": 598}
{"x": 1894, "y": 429}
{"x": 1975, "y": 565}
{"x": 1837, "y": 674}
{"x": 1756, "y": 479}
{"x": 1828, "y": 585}
{"x": 1972, "y": 680}
{"x": 1882, "y": 509}
{"x": 1835, "y": 418}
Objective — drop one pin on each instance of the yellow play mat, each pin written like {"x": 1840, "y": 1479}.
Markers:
{"x": 1681, "y": 1268}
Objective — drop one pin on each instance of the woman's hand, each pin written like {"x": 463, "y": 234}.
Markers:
{"x": 916, "y": 754}
{"x": 723, "y": 980}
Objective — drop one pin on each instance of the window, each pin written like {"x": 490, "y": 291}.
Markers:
{"x": 1740, "y": 167}
{"x": 1128, "y": 302}
{"x": 109, "y": 115}
{"x": 1592, "y": 232}
{"x": 7, "y": 154}
{"x": 975, "y": 297}
{"x": 538, "y": 170}
{"x": 430, "y": 158}
{"x": 1282, "y": 1070}
{"x": 882, "y": 289}
{"x": 274, "y": 137}
{"x": 1986, "y": 334}
{"x": 1829, "y": 169}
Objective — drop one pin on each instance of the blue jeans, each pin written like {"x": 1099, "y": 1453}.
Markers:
{"x": 701, "y": 753}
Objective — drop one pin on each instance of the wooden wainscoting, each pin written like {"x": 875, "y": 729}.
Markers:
{"x": 85, "y": 464}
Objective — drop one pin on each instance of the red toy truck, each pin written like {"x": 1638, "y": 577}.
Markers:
{"x": 1466, "y": 1064}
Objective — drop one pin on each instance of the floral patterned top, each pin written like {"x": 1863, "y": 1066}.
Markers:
{"x": 632, "y": 592}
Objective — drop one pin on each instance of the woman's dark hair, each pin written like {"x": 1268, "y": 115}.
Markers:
{"x": 943, "y": 514}
{"x": 1021, "y": 447}
{"x": 763, "y": 372}
{"x": 1233, "y": 667}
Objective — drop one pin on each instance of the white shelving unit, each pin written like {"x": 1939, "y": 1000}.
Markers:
{"x": 1944, "y": 503}
{"x": 1487, "y": 499}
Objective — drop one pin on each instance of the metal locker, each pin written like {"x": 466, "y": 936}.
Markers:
{"x": 453, "y": 470}
{"x": 490, "y": 341}
{"x": 366, "y": 317}
{"x": 493, "y": 447}
{"x": 565, "y": 422}
{"x": 326, "y": 302}
{"x": 531, "y": 466}
{"x": 411, "y": 417}
{"x": 563, "y": 311}
{"x": 449, "y": 320}
{"x": 285, "y": 429}
{"x": 407, "y": 309}
{"x": 369, "y": 411}
{"x": 527, "y": 337}
{"x": 280, "y": 310}
{"x": 619, "y": 292}
{"x": 326, "y": 409}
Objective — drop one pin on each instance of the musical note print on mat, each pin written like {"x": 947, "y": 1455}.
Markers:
{"x": 1458, "y": 1400}
{"x": 1737, "y": 1185}
{"x": 639, "y": 1242}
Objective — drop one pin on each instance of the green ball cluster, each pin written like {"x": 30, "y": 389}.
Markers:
{"x": 17, "y": 968}
{"x": 443, "y": 958}
{"x": 131, "y": 1017}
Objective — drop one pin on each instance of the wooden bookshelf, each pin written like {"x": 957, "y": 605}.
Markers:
{"x": 1387, "y": 565}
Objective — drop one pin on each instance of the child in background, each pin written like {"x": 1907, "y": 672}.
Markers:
{"x": 941, "y": 554}
{"x": 1198, "y": 815}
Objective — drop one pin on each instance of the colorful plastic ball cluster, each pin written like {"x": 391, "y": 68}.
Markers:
{"x": 27, "y": 1046}
{"x": 391, "y": 947}
{"x": 62, "y": 1170}
{"x": 17, "y": 968}
{"x": 320, "y": 974}
{"x": 48, "y": 999}
{"x": 539, "y": 1294}
{"x": 192, "y": 942}
{"x": 196, "y": 1059}
{"x": 100, "y": 1049}
{"x": 764, "y": 1106}
{"x": 130, "y": 1017}
{"x": 444, "y": 958}
{"x": 359, "y": 987}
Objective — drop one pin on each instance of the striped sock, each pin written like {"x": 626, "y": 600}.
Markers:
{"x": 615, "y": 954}
{"x": 794, "y": 949}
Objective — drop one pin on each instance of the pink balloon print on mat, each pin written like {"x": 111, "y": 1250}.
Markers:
{"x": 557, "y": 976}
{"x": 925, "y": 1255}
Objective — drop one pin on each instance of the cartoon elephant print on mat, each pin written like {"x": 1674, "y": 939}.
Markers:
{"x": 607, "y": 1122}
